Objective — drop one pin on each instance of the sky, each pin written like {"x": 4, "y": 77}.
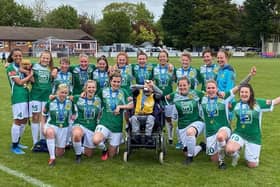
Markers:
{"x": 95, "y": 7}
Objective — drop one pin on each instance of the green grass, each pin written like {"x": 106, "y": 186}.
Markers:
{"x": 143, "y": 168}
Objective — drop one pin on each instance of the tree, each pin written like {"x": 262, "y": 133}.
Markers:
{"x": 40, "y": 10}
{"x": 64, "y": 16}
{"x": 189, "y": 23}
{"x": 13, "y": 14}
{"x": 87, "y": 24}
{"x": 260, "y": 20}
{"x": 176, "y": 21}
{"x": 140, "y": 19}
{"x": 113, "y": 28}
{"x": 135, "y": 12}
{"x": 215, "y": 24}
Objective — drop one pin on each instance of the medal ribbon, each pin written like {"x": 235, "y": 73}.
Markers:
{"x": 141, "y": 73}
{"x": 163, "y": 74}
{"x": 60, "y": 110}
{"x": 212, "y": 106}
{"x": 243, "y": 111}
{"x": 113, "y": 100}
{"x": 88, "y": 108}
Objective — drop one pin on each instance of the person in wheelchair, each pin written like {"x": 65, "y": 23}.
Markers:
{"x": 145, "y": 97}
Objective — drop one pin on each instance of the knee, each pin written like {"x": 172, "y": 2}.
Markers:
{"x": 230, "y": 149}
{"x": 77, "y": 135}
{"x": 191, "y": 132}
{"x": 50, "y": 133}
{"x": 97, "y": 139}
{"x": 220, "y": 137}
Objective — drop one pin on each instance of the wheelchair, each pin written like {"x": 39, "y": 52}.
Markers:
{"x": 157, "y": 139}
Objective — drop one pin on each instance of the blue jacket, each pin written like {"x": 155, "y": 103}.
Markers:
{"x": 226, "y": 78}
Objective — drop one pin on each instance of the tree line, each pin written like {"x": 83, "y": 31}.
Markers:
{"x": 183, "y": 24}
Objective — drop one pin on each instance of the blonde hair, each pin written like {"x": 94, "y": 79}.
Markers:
{"x": 186, "y": 54}
{"x": 62, "y": 87}
{"x": 89, "y": 82}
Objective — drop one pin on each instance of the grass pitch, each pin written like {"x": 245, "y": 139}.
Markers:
{"x": 143, "y": 168}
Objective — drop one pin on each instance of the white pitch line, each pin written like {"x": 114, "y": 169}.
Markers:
{"x": 27, "y": 178}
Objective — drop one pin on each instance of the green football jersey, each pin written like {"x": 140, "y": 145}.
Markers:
{"x": 59, "y": 112}
{"x": 187, "y": 107}
{"x": 191, "y": 73}
{"x": 142, "y": 73}
{"x": 80, "y": 77}
{"x": 63, "y": 78}
{"x": 41, "y": 87}
{"x": 164, "y": 79}
{"x": 110, "y": 99}
{"x": 215, "y": 113}
{"x": 87, "y": 111}
{"x": 20, "y": 93}
{"x": 127, "y": 77}
{"x": 248, "y": 124}
{"x": 101, "y": 78}
{"x": 208, "y": 73}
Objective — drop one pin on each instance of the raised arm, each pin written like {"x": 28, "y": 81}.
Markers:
{"x": 246, "y": 80}
{"x": 276, "y": 101}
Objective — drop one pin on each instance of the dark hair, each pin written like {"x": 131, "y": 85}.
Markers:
{"x": 51, "y": 59}
{"x": 184, "y": 78}
{"x": 10, "y": 57}
{"x": 64, "y": 59}
{"x": 103, "y": 57}
{"x": 163, "y": 51}
{"x": 208, "y": 50}
{"x": 252, "y": 100}
{"x": 142, "y": 53}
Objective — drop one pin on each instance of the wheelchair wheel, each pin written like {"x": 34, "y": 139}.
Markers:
{"x": 161, "y": 157}
{"x": 125, "y": 156}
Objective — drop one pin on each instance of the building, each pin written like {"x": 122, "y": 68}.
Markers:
{"x": 24, "y": 37}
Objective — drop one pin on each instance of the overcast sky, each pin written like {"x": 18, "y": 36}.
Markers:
{"x": 95, "y": 7}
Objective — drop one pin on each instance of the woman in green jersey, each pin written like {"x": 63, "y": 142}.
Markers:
{"x": 248, "y": 111}
{"x": 114, "y": 102}
{"x": 19, "y": 98}
{"x": 41, "y": 89}
{"x": 88, "y": 110}
{"x": 100, "y": 74}
{"x": 59, "y": 112}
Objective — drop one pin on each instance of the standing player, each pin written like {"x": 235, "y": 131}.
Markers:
{"x": 226, "y": 74}
{"x": 19, "y": 98}
{"x": 164, "y": 76}
{"x": 64, "y": 76}
{"x": 41, "y": 89}
{"x": 186, "y": 70}
{"x": 209, "y": 70}
{"x": 100, "y": 74}
{"x": 143, "y": 70}
{"x": 81, "y": 73}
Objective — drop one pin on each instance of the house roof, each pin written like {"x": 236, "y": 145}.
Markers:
{"x": 33, "y": 33}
